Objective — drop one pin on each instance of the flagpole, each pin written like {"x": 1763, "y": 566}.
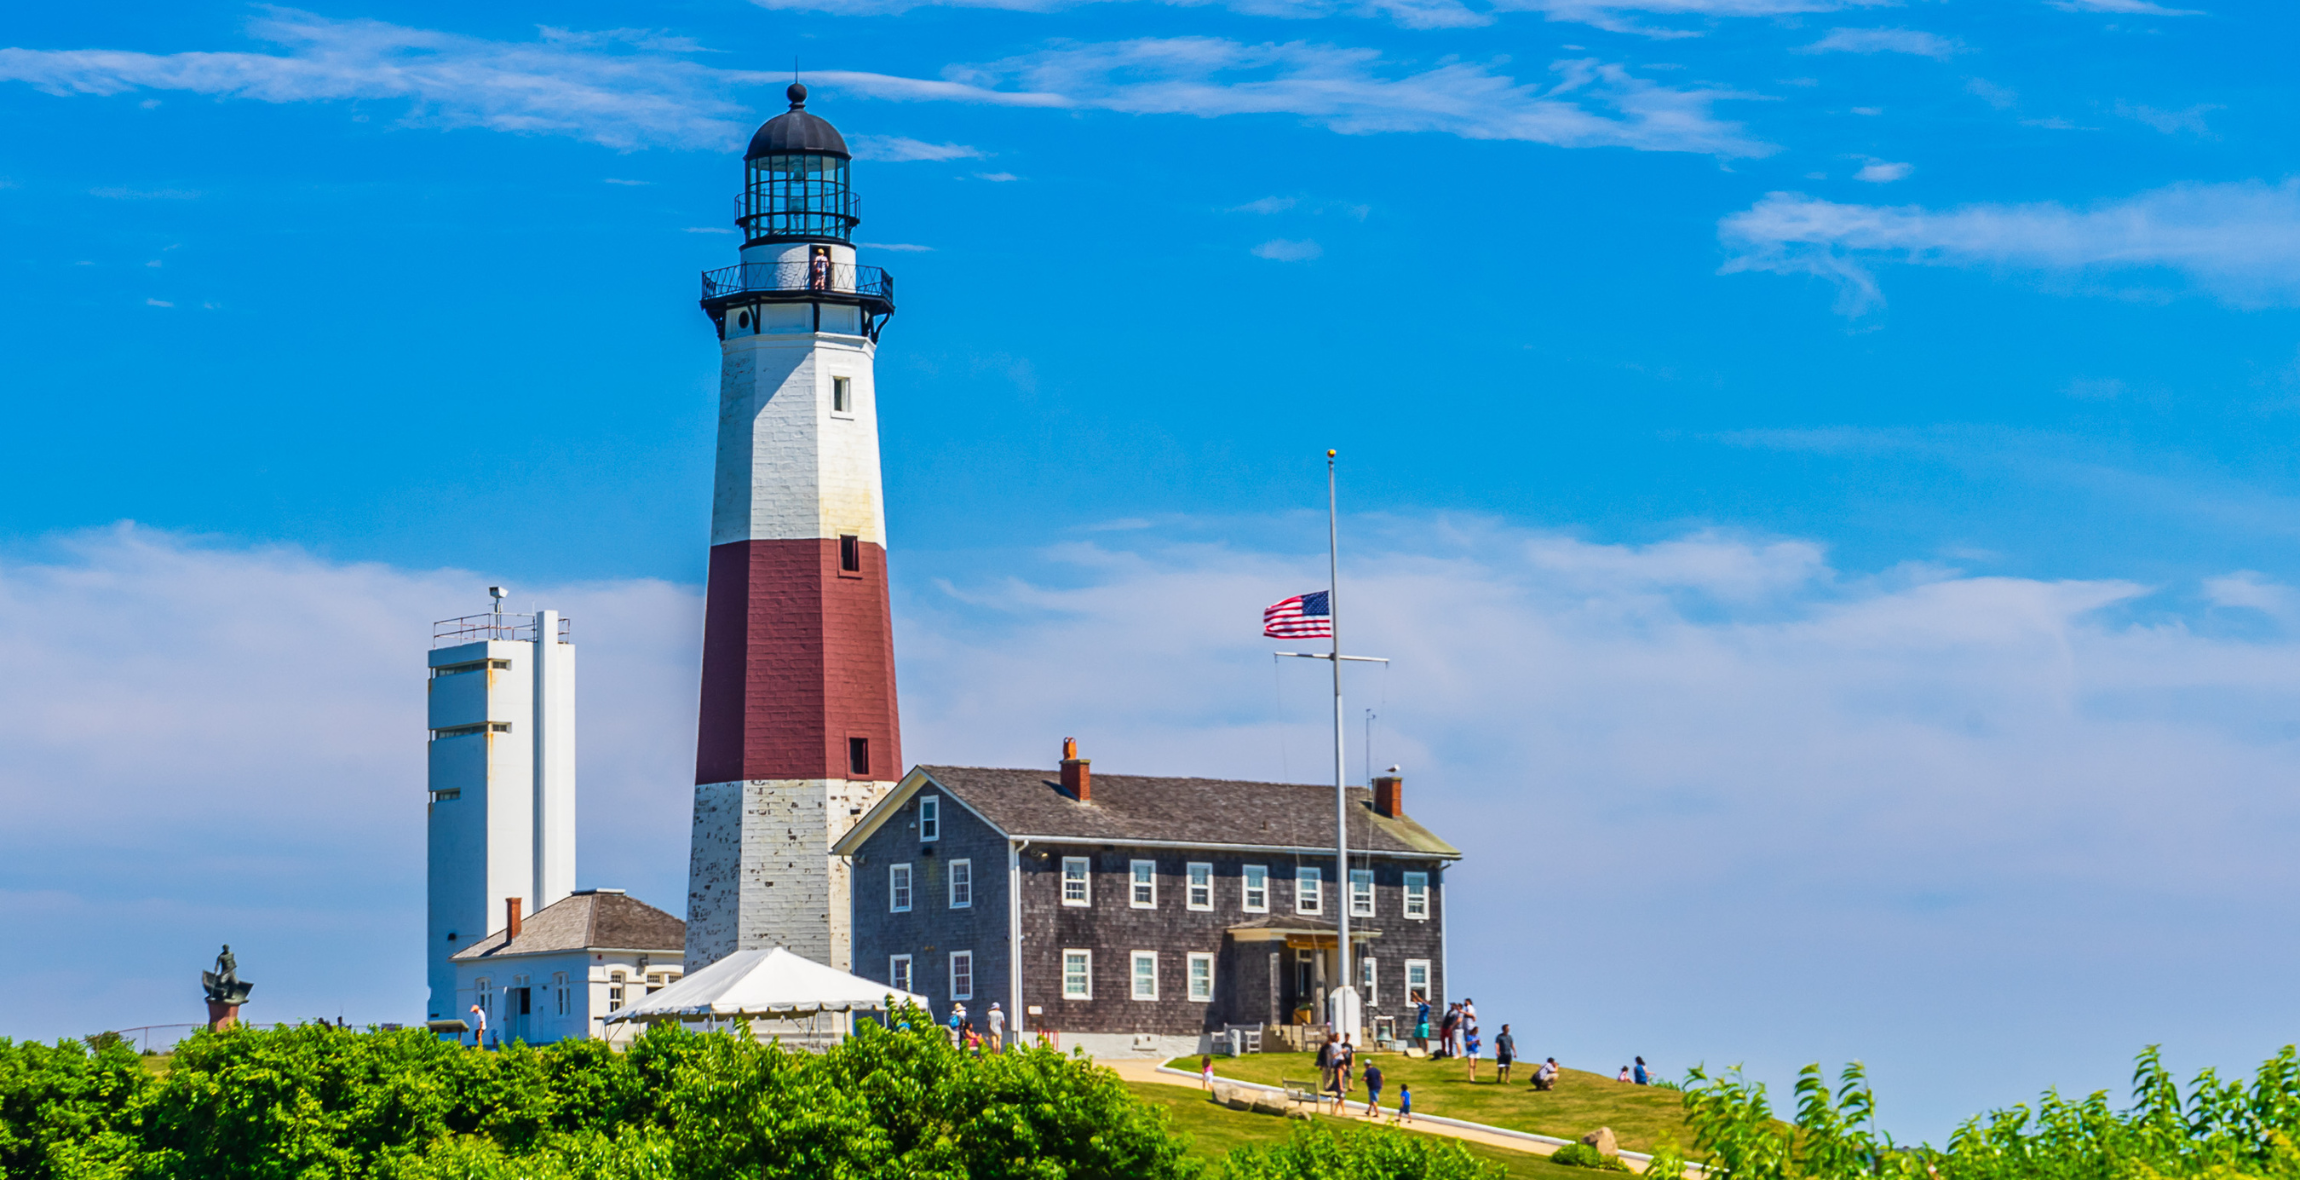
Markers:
{"x": 1341, "y": 781}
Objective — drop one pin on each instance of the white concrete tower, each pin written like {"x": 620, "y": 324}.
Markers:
{"x": 798, "y": 735}
{"x": 502, "y": 778}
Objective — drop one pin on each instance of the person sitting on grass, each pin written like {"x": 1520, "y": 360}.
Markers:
{"x": 1504, "y": 1052}
{"x": 1374, "y": 1090}
{"x": 1405, "y": 1103}
{"x": 1545, "y": 1078}
{"x": 1624, "y": 1074}
{"x": 1643, "y": 1078}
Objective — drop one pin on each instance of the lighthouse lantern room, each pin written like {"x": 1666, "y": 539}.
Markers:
{"x": 797, "y": 736}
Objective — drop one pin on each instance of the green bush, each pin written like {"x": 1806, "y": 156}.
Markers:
{"x": 1369, "y": 1153}
{"x": 1583, "y": 1155}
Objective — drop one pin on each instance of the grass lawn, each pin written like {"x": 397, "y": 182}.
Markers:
{"x": 1641, "y": 1116}
{"x": 1214, "y": 1130}
{"x": 156, "y": 1064}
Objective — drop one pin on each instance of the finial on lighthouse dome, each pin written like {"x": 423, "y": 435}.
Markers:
{"x": 798, "y": 130}
{"x": 798, "y": 95}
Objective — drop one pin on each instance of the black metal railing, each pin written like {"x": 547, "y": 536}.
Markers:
{"x": 867, "y": 284}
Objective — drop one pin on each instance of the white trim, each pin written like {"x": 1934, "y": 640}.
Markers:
{"x": 1429, "y": 994}
{"x": 966, "y": 957}
{"x": 1085, "y": 880}
{"x": 1326, "y": 851}
{"x": 961, "y": 868}
{"x": 901, "y": 885}
{"x": 1134, "y": 975}
{"x": 1087, "y": 975}
{"x": 1190, "y": 885}
{"x": 1135, "y": 884}
{"x": 1315, "y": 877}
{"x": 1370, "y": 980}
{"x": 927, "y": 804}
{"x": 1417, "y": 896}
{"x": 1191, "y": 976}
{"x": 1367, "y": 912}
{"x": 1246, "y": 889}
{"x": 900, "y": 979}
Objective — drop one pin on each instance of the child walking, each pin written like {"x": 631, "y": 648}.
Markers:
{"x": 1206, "y": 1071}
{"x": 1405, "y": 1103}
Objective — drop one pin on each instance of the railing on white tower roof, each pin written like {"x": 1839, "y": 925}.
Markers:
{"x": 473, "y": 628}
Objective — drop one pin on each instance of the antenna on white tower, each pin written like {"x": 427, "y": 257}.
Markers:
{"x": 499, "y": 593}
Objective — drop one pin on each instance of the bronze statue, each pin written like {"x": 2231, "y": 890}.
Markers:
{"x": 223, "y": 983}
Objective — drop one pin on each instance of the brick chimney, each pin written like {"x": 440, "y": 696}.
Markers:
{"x": 1076, "y": 775}
{"x": 1389, "y": 794}
{"x": 510, "y": 918}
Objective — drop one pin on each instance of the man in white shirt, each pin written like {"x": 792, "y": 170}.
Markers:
{"x": 997, "y": 1028}
{"x": 478, "y": 1027}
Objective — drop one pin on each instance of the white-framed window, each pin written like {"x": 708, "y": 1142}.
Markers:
{"x": 566, "y": 1000}
{"x": 1145, "y": 975}
{"x": 962, "y": 975}
{"x": 1257, "y": 893}
{"x": 1369, "y": 983}
{"x": 961, "y": 884}
{"x": 929, "y": 818}
{"x": 1077, "y": 975}
{"x": 486, "y": 990}
{"x": 1417, "y": 981}
{"x": 842, "y": 395}
{"x": 1417, "y": 895}
{"x": 1201, "y": 892}
{"x": 898, "y": 889}
{"x": 1143, "y": 890}
{"x": 1077, "y": 886}
{"x": 898, "y": 973}
{"x": 1201, "y": 976}
{"x": 614, "y": 990}
{"x": 1309, "y": 891}
{"x": 1361, "y": 893}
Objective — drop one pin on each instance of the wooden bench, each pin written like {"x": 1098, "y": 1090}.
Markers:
{"x": 1298, "y": 1092}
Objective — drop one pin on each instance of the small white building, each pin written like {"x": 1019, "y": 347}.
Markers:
{"x": 558, "y": 974}
{"x": 501, "y": 814}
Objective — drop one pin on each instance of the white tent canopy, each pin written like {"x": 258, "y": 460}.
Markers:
{"x": 772, "y": 983}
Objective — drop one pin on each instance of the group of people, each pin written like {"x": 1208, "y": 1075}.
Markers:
{"x": 1337, "y": 1065}
{"x": 964, "y": 1035}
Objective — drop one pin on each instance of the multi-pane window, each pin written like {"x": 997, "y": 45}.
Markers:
{"x": 1369, "y": 988}
{"x": 1417, "y": 981}
{"x": 1201, "y": 886}
{"x": 1145, "y": 885}
{"x": 1074, "y": 881}
{"x": 962, "y": 975}
{"x": 1145, "y": 975}
{"x": 961, "y": 884}
{"x": 1201, "y": 976}
{"x": 1361, "y": 893}
{"x": 614, "y": 990}
{"x": 898, "y": 972}
{"x": 486, "y": 990}
{"x": 1309, "y": 891}
{"x": 898, "y": 889}
{"x": 1417, "y": 895}
{"x": 559, "y": 988}
{"x": 929, "y": 818}
{"x": 1257, "y": 893}
{"x": 1078, "y": 975}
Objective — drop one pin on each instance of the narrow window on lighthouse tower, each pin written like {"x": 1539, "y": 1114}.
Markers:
{"x": 858, "y": 757}
{"x": 842, "y": 395}
{"x": 850, "y": 554}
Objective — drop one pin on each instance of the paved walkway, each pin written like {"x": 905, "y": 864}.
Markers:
{"x": 1147, "y": 1071}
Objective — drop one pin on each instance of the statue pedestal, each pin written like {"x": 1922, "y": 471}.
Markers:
{"x": 222, "y": 1016}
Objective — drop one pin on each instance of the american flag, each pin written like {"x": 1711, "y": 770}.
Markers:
{"x": 1304, "y": 616}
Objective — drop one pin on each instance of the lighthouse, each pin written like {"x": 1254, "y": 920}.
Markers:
{"x": 797, "y": 736}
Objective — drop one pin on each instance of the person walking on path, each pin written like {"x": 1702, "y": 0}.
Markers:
{"x": 1504, "y": 1052}
{"x": 1643, "y": 1078}
{"x": 1374, "y": 1090}
{"x": 1206, "y": 1072}
{"x": 1329, "y": 1055}
{"x": 997, "y": 1028}
{"x": 1405, "y": 1103}
{"x": 1346, "y": 1073}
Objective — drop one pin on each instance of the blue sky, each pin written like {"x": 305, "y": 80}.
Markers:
{"x": 1860, "y": 432}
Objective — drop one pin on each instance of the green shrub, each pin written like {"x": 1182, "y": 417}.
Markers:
{"x": 1583, "y": 1155}
{"x": 1366, "y": 1153}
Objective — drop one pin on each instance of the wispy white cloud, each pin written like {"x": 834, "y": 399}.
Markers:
{"x": 2169, "y": 122}
{"x": 997, "y": 177}
{"x": 144, "y": 194}
{"x": 896, "y": 149}
{"x": 1622, "y": 16}
{"x": 1267, "y": 205}
{"x": 1289, "y": 250}
{"x": 2238, "y": 242}
{"x": 1416, "y": 14}
{"x": 1989, "y": 92}
{"x": 624, "y": 89}
{"x": 1586, "y": 103}
{"x": 1883, "y": 172}
{"x": 1910, "y": 41}
{"x": 2127, "y": 7}
{"x": 897, "y": 247}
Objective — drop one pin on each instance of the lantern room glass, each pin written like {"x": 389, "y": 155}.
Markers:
{"x": 798, "y": 195}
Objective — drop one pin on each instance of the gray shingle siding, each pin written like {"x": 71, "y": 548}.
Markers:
{"x": 932, "y": 930}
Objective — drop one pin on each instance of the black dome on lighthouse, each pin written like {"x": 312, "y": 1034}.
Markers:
{"x": 797, "y": 131}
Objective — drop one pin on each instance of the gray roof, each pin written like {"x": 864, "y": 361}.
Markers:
{"x": 1134, "y": 809}
{"x": 796, "y": 130}
{"x": 583, "y": 921}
